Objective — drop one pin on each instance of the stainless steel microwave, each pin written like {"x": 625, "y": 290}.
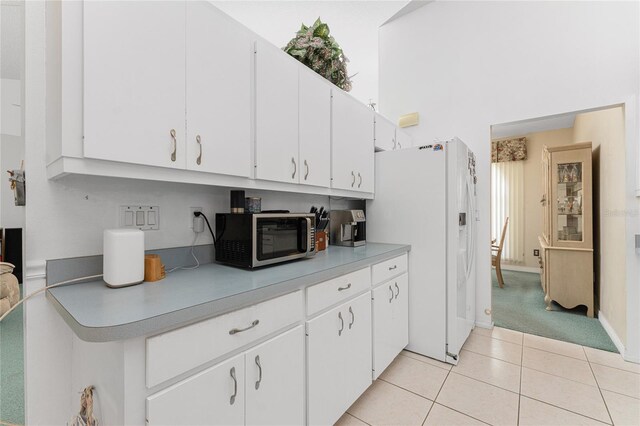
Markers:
{"x": 260, "y": 239}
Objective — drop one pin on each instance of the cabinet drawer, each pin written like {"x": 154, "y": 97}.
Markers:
{"x": 330, "y": 292}
{"x": 388, "y": 269}
{"x": 178, "y": 351}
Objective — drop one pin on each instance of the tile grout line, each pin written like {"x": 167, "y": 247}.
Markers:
{"x": 565, "y": 409}
{"x": 437, "y": 395}
{"x": 561, "y": 377}
{"x": 486, "y": 383}
{"x": 502, "y": 340}
{"x": 604, "y": 401}
{"x": 520, "y": 387}
{"x": 405, "y": 389}
{"x": 615, "y": 368}
{"x": 500, "y": 359}
{"x": 424, "y": 362}
{"x": 355, "y": 417}
{"x": 460, "y": 412}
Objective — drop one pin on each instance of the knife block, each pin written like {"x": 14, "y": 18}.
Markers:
{"x": 321, "y": 240}
{"x": 153, "y": 268}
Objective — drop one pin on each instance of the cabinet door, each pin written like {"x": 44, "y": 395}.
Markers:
{"x": 276, "y": 115}
{"x": 383, "y": 328}
{"x": 338, "y": 359}
{"x": 315, "y": 129}
{"x": 385, "y": 134}
{"x": 214, "y": 396}
{"x": 134, "y": 77}
{"x": 400, "y": 313}
{"x": 218, "y": 64}
{"x": 403, "y": 139}
{"x": 352, "y": 144}
{"x": 275, "y": 381}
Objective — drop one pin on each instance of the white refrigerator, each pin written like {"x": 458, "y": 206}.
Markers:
{"x": 426, "y": 196}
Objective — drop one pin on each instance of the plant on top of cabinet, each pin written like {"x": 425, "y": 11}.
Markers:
{"x": 314, "y": 47}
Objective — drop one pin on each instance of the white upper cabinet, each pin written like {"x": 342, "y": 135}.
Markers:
{"x": 218, "y": 86}
{"x": 403, "y": 139}
{"x": 352, "y": 144}
{"x": 315, "y": 129}
{"x": 385, "y": 134}
{"x": 134, "y": 77}
{"x": 276, "y": 115}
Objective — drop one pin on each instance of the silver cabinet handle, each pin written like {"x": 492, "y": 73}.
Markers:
{"x": 345, "y": 288}
{"x": 199, "y": 141}
{"x": 399, "y": 145}
{"x": 306, "y": 175}
{"x": 359, "y": 183}
{"x": 295, "y": 167}
{"x": 391, "y": 298}
{"x": 353, "y": 317}
{"x": 259, "y": 372}
{"x": 174, "y": 141}
{"x": 235, "y": 386}
{"x": 398, "y": 289}
{"x": 240, "y": 330}
{"x": 353, "y": 175}
{"x": 391, "y": 268}
{"x": 341, "y": 324}
{"x": 394, "y": 143}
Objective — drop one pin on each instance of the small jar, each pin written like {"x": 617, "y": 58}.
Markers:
{"x": 253, "y": 204}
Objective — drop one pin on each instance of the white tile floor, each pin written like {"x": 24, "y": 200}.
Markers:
{"x": 504, "y": 377}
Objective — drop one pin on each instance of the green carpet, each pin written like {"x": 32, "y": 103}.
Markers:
{"x": 12, "y": 368}
{"x": 520, "y": 306}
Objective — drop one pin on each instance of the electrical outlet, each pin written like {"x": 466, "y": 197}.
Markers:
{"x": 145, "y": 218}
{"x": 192, "y": 210}
{"x": 536, "y": 252}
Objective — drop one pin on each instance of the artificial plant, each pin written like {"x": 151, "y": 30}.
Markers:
{"x": 317, "y": 49}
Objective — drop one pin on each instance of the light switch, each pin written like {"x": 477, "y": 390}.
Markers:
{"x": 145, "y": 218}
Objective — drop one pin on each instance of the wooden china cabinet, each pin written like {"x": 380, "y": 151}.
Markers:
{"x": 566, "y": 258}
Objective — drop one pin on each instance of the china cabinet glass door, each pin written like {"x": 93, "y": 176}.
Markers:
{"x": 570, "y": 226}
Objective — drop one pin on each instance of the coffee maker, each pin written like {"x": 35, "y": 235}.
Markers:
{"x": 347, "y": 228}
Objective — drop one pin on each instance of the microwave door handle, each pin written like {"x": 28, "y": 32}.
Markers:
{"x": 309, "y": 249}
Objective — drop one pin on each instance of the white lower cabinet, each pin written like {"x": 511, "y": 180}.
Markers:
{"x": 212, "y": 397}
{"x": 338, "y": 359}
{"x": 262, "y": 386}
{"x": 390, "y": 322}
{"x": 275, "y": 381}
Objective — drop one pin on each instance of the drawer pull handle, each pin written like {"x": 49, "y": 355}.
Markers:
{"x": 345, "y": 288}
{"x": 397, "y": 288}
{"x": 360, "y": 177}
{"x": 353, "y": 317}
{"x": 259, "y": 372}
{"x": 174, "y": 142}
{"x": 199, "y": 142}
{"x": 391, "y": 298}
{"x": 341, "y": 324}
{"x": 295, "y": 168}
{"x": 391, "y": 268}
{"x": 353, "y": 175}
{"x": 240, "y": 330}
{"x": 235, "y": 386}
{"x": 306, "y": 175}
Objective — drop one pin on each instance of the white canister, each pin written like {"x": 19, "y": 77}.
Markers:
{"x": 123, "y": 257}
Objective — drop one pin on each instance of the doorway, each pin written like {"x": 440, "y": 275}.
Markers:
{"x": 548, "y": 291}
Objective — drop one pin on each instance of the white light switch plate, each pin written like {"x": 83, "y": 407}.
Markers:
{"x": 145, "y": 218}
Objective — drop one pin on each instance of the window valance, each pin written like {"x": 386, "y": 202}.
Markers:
{"x": 509, "y": 150}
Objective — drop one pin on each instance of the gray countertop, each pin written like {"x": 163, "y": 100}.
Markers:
{"x": 97, "y": 313}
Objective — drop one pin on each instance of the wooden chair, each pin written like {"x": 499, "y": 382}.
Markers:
{"x": 497, "y": 257}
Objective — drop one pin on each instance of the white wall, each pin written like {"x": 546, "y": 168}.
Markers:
{"x": 354, "y": 25}
{"x": 467, "y": 65}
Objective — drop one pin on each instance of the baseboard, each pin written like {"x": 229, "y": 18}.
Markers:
{"x": 488, "y": 325}
{"x": 518, "y": 268}
{"x": 611, "y": 332}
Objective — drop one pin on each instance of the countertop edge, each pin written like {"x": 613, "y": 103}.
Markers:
{"x": 196, "y": 313}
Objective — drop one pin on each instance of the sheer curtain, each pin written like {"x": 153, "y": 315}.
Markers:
{"x": 507, "y": 200}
